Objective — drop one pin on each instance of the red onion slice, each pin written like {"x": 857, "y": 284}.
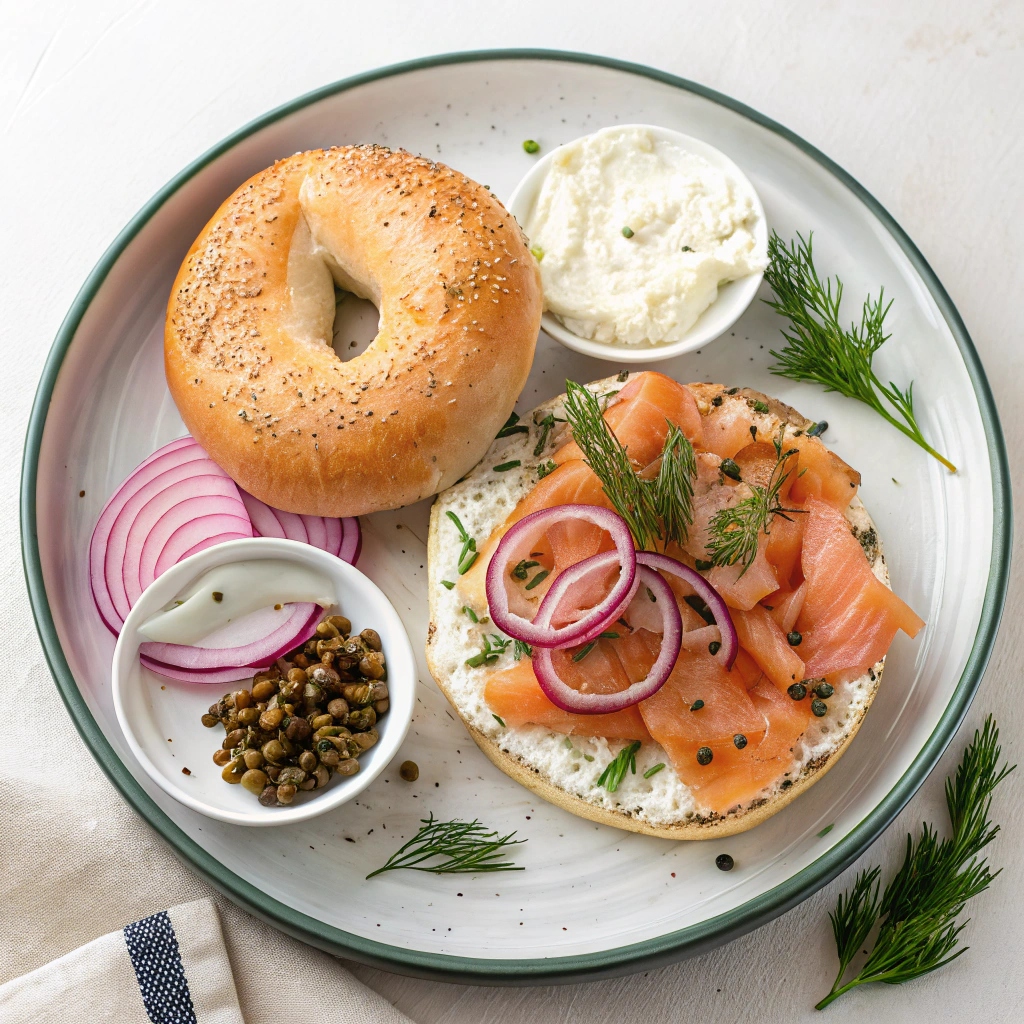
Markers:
{"x": 706, "y": 592}
{"x": 221, "y": 675}
{"x": 335, "y": 535}
{"x": 259, "y": 638}
{"x": 263, "y": 518}
{"x": 351, "y": 541}
{"x": 576, "y": 702}
{"x": 517, "y": 544}
{"x": 198, "y": 534}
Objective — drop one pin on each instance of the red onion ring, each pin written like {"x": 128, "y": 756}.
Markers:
{"x": 184, "y": 675}
{"x": 517, "y": 544}
{"x": 351, "y": 541}
{"x": 568, "y": 699}
{"x": 706, "y": 592}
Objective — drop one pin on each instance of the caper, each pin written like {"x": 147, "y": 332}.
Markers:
{"x": 819, "y": 708}
{"x": 363, "y": 719}
{"x": 263, "y": 690}
{"x": 269, "y": 796}
{"x": 296, "y": 675}
{"x": 378, "y": 691}
{"x": 210, "y": 721}
{"x": 324, "y": 676}
{"x": 253, "y": 759}
{"x": 724, "y": 862}
{"x": 340, "y": 623}
{"x": 409, "y": 770}
{"x": 307, "y": 760}
{"x": 347, "y": 767}
{"x": 365, "y": 740}
{"x": 824, "y": 690}
{"x": 330, "y": 756}
{"x": 704, "y": 755}
{"x": 338, "y": 707}
{"x": 249, "y": 716}
{"x": 298, "y": 729}
{"x": 273, "y": 771}
{"x": 234, "y": 739}
{"x": 357, "y": 693}
{"x": 329, "y": 730}
{"x": 218, "y": 710}
{"x": 291, "y": 690}
{"x": 372, "y": 665}
{"x": 255, "y": 781}
{"x": 273, "y": 751}
{"x": 271, "y": 719}
{"x": 291, "y": 776}
{"x": 308, "y": 783}
{"x": 322, "y": 776}
{"x": 322, "y": 721}
{"x": 371, "y": 638}
{"x": 286, "y": 793}
{"x": 221, "y": 757}
{"x": 233, "y": 771}
{"x": 312, "y": 694}
{"x": 327, "y": 630}
{"x": 243, "y": 698}
{"x": 797, "y": 691}
{"x": 301, "y": 660}
{"x": 381, "y": 707}
{"x": 326, "y": 649}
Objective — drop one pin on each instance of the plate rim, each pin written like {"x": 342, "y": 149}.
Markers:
{"x": 618, "y": 960}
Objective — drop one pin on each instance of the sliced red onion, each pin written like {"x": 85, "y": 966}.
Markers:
{"x": 335, "y": 535}
{"x": 575, "y": 701}
{"x": 263, "y": 518}
{"x": 706, "y": 592}
{"x": 351, "y": 541}
{"x": 560, "y": 596}
{"x": 198, "y": 534}
{"x": 221, "y": 675}
{"x": 517, "y": 544}
{"x": 259, "y": 638}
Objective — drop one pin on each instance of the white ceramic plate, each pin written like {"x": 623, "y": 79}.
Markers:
{"x": 592, "y": 900}
{"x": 733, "y": 296}
{"x": 158, "y": 716}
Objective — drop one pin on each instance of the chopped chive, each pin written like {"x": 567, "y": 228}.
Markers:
{"x": 825, "y": 831}
{"x": 686, "y": 248}
{"x": 588, "y": 757}
{"x": 654, "y": 771}
{"x": 512, "y": 426}
{"x": 520, "y": 571}
{"x": 616, "y": 770}
{"x": 650, "y": 594}
{"x": 499, "y": 720}
{"x": 584, "y": 651}
{"x": 817, "y": 429}
{"x": 609, "y": 636}
{"x": 760, "y": 406}
{"x": 469, "y": 611}
{"x": 506, "y": 466}
{"x": 567, "y": 743}
{"x": 537, "y": 580}
{"x": 545, "y": 424}
{"x": 447, "y": 584}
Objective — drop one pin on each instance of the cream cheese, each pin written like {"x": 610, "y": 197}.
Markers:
{"x": 635, "y": 235}
{"x": 228, "y": 592}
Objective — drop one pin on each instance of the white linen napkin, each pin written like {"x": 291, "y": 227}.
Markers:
{"x": 173, "y": 968}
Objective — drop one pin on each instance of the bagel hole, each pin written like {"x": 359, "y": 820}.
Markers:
{"x": 356, "y": 324}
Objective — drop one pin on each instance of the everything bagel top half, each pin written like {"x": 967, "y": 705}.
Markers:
{"x": 247, "y": 345}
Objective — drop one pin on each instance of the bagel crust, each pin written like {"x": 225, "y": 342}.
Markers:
{"x": 247, "y": 344}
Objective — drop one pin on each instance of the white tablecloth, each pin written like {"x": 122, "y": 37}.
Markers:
{"x": 101, "y": 102}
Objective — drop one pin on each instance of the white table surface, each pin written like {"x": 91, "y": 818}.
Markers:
{"x": 102, "y": 102}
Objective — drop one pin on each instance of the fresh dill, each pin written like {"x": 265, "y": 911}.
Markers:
{"x": 466, "y": 847}
{"x": 469, "y": 553}
{"x": 494, "y": 647}
{"x": 658, "y": 509}
{"x": 918, "y": 909}
{"x": 616, "y": 770}
{"x": 819, "y": 349}
{"x": 735, "y": 532}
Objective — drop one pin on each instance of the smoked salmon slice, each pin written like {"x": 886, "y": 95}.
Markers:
{"x": 727, "y": 429}
{"x": 639, "y": 416}
{"x": 761, "y": 637}
{"x": 822, "y": 474}
{"x": 516, "y": 697}
{"x": 849, "y": 617}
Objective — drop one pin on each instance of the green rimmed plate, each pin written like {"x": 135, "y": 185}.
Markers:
{"x": 592, "y": 901}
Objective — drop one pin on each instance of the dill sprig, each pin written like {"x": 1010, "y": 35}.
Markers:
{"x": 919, "y": 907}
{"x": 466, "y": 846}
{"x": 819, "y": 349}
{"x": 735, "y": 532}
{"x": 616, "y": 770}
{"x": 658, "y": 509}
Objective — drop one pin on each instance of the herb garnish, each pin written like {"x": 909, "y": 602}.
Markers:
{"x": 499, "y": 720}
{"x": 624, "y": 761}
{"x": 506, "y": 466}
{"x": 520, "y": 571}
{"x": 819, "y": 349}
{"x": 652, "y": 771}
{"x": 467, "y": 847}
{"x": 520, "y": 649}
{"x": 920, "y": 905}
{"x": 469, "y": 552}
{"x": 736, "y": 531}
{"x": 512, "y": 426}
{"x": 447, "y": 584}
{"x": 493, "y": 647}
{"x": 472, "y": 614}
{"x": 659, "y": 509}
{"x": 545, "y": 425}
{"x": 545, "y": 468}
{"x": 538, "y": 579}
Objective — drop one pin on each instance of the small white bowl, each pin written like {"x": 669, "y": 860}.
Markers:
{"x": 160, "y": 717}
{"x": 733, "y": 297}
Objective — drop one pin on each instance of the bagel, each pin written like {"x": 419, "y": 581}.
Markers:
{"x": 247, "y": 343}
{"x": 540, "y": 759}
